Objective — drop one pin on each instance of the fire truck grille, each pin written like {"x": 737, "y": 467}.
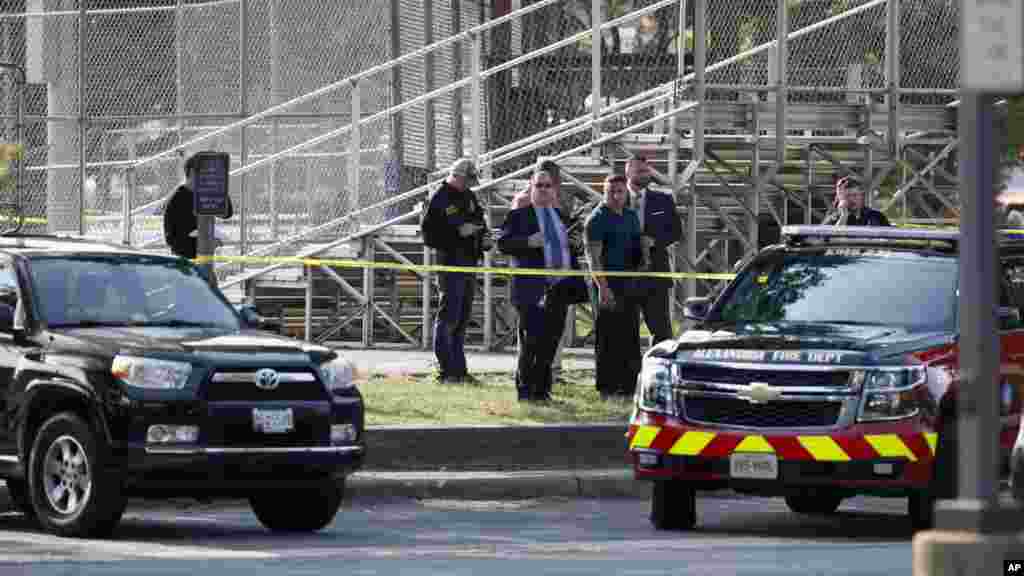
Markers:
{"x": 779, "y": 414}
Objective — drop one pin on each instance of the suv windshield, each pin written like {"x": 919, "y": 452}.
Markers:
{"x": 845, "y": 286}
{"x": 84, "y": 290}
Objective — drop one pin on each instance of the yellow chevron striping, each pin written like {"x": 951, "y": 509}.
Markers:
{"x": 931, "y": 438}
{"x": 644, "y": 436}
{"x": 755, "y": 443}
{"x": 823, "y": 448}
{"x": 692, "y": 443}
{"x": 890, "y": 446}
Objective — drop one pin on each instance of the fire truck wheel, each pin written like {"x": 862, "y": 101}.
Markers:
{"x": 815, "y": 504}
{"x": 673, "y": 505}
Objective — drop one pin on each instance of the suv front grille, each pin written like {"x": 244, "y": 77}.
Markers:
{"x": 240, "y": 386}
{"x": 777, "y": 414}
{"x": 733, "y": 375}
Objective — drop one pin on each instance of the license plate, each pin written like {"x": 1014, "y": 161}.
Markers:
{"x": 758, "y": 466}
{"x": 273, "y": 421}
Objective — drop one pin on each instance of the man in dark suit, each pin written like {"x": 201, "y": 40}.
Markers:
{"x": 535, "y": 236}
{"x": 660, "y": 228}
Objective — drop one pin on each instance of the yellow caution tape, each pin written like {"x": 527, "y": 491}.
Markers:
{"x": 468, "y": 269}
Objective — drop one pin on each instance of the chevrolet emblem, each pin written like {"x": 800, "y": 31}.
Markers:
{"x": 760, "y": 392}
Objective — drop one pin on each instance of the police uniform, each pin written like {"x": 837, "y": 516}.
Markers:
{"x": 457, "y": 288}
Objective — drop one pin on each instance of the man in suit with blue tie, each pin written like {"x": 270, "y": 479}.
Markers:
{"x": 535, "y": 235}
{"x": 660, "y": 228}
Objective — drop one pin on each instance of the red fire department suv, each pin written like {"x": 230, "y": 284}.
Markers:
{"x": 826, "y": 369}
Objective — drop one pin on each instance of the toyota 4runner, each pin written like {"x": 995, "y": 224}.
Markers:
{"x": 124, "y": 373}
{"x": 827, "y": 368}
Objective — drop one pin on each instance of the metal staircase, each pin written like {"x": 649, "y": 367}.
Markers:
{"x": 741, "y": 160}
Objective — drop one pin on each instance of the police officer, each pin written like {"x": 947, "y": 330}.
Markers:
{"x": 849, "y": 208}
{"x": 455, "y": 222}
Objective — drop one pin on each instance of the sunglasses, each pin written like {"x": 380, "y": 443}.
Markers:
{"x": 541, "y": 185}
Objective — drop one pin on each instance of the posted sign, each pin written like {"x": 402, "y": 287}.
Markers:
{"x": 992, "y": 45}
{"x": 210, "y": 184}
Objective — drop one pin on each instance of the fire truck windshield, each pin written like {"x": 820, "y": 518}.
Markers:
{"x": 845, "y": 286}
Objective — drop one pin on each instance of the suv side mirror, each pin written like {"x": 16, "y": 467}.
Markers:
{"x": 696, "y": 308}
{"x": 1009, "y": 317}
{"x": 253, "y": 319}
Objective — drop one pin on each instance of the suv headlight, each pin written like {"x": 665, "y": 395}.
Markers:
{"x": 890, "y": 394}
{"x": 151, "y": 373}
{"x": 656, "y": 392}
{"x": 339, "y": 374}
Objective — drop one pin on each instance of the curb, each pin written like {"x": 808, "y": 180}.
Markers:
{"x": 497, "y": 448}
{"x": 522, "y": 485}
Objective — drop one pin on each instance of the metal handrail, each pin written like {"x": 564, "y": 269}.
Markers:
{"x": 596, "y": 142}
{"x": 666, "y": 90}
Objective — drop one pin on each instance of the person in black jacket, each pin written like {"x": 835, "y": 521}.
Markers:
{"x": 180, "y": 222}
{"x": 849, "y": 208}
{"x": 457, "y": 230}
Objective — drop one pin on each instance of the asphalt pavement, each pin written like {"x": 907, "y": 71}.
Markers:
{"x": 370, "y": 536}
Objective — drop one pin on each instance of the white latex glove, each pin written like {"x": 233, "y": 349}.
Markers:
{"x": 468, "y": 229}
{"x": 536, "y": 240}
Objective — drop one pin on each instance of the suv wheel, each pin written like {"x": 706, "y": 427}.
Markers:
{"x": 70, "y": 491}
{"x": 306, "y": 511}
{"x": 17, "y": 491}
{"x": 673, "y": 505}
{"x": 814, "y": 504}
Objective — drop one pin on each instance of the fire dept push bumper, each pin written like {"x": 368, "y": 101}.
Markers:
{"x": 862, "y": 458}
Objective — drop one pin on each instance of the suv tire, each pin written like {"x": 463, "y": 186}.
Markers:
{"x": 71, "y": 492}
{"x": 821, "y": 504}
{"x": 305, "y": 511}
{"x": 673, "y": 505}
{"x": 17, "y": 492}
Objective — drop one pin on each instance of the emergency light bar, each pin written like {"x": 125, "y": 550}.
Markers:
{"x": 880, "y": 233}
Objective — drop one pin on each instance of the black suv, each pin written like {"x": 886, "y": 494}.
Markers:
{"x": 124, "y": 373}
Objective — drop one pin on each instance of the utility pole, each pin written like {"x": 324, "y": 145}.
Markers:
{"x": 976, "y": 532}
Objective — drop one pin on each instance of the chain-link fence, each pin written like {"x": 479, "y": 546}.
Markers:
{"x": 112, "y": 82}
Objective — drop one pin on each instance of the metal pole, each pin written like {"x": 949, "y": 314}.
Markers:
{"x": 673, "y": 155}
{"x": 397, "y": 141}
{"x": 782, "y": 30}
{"x": 308, "y": 315}
{"x": 596, "y": 45}
{"x": 369, "y": 290}
{"x": 354, "y": 141}
{"x": 699, "y": 64}
{"x": 275, "y": 126}
{"x": 126, "y": 193}
{"x": 430, "y": 134}
{"x": 892, "y": 78}
{"x": 425, "y": 304}
{"x": 978, "y": 402}
{"x": 243, "y": 102}
{"x": 82, "y": 121}
{"x": 179, "y": 81}
{"x": 457, "y": 96}
{"x": 476, "y": 144}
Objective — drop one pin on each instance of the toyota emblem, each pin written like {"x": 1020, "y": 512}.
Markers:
{"x": 267, "y": 379}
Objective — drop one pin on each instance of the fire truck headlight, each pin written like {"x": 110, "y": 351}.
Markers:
{"x": 655, "y": 389}
{"x": 891, "y": 394}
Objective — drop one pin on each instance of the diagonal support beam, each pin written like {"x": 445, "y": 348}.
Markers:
{"x": 919, "y": 174}
{"x": 938, "y": 168}
{"x": 364, "y": 301}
